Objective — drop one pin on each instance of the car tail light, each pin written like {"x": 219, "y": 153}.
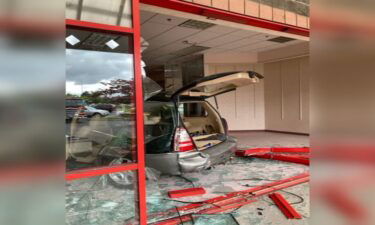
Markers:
{"x": 183, "y": 141}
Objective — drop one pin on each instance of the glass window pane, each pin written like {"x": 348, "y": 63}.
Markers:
{"x": 108, "y": 199}
{"x": 266, "y": 2}
{"x": 290, "y": 6}
{"x": 109, "y": 12}
{"x": 302, "y": 7}
{"x": 280, "y": 4}
{"x": 99, "y": 100}
{"x": 114, "y": 12}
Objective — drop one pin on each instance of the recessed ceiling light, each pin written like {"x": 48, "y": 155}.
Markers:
{"x": 72, "y": 40}
{"x": 112, "y": 44}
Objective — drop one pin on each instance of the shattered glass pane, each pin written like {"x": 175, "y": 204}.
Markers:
{"x": 99, "y": 200}
{"x": 224, "y": 219}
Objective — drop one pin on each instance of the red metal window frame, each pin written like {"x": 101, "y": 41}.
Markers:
{"x": 139, "y": 166}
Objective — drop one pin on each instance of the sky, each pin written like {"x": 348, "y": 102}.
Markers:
{"x": 86, "y": 69}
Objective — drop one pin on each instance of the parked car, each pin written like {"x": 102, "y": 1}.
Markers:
{"x": 89, "y": 111}
{"x": 108, "y": 107}
{"x": 72, "y": 104}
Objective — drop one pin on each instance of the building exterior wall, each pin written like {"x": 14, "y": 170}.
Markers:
{"x": 293, "y": 12}
{"x": 287, "y": 95}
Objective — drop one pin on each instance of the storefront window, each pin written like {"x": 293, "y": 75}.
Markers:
{"x": 99, "y": 100}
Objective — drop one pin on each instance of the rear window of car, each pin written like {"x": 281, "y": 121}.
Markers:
{"x": 159, "y": 120}
{"x": 193, "y": 109}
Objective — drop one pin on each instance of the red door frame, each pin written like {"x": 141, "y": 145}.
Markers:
{"x": 207, "y": 11}
{"x": 139, "y": 166}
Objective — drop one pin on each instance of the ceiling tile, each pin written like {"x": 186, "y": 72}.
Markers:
{"x": 167, "y": 20}
{"x": 258, "y": 45}
{"x": 244, "y": 33}
{"x": 239, "y": 43}
{"x": 169, "y": 49}
{"x": 221, "y": 40}
{"x": 202, "y": 37}
{"x": 261, "y": 36}
{"x": 145, "y": 15}
{"x": 221, "y": 29}
{"x": 171, "y": 36}
{"x": 149, "y": 30}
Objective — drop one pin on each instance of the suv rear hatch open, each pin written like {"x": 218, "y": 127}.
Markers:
{"x": 201, "y": 120}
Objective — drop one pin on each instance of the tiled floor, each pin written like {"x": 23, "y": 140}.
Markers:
{"x": 269, "y": 139}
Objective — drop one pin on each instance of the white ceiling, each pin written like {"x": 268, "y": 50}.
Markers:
{"x": 165, "y": 37}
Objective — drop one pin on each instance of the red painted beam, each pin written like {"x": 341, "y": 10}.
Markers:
{"x": 219, "y": 209}
{"x": 252, "y": 151}
{"x": 291, "y": 149}
{"x": 285, "y": 158}
{"x": 284, "y": 206}
{"x": 98, "y": 26}
{"x": 207, "y": 11}
{"x": 99, "y": 171}
{"x": 255, "y": 151}
{"x": 186, "y": 192}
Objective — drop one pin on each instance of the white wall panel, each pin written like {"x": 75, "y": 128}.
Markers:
{"x": 244, "y": 108}
{"x": 287, "y": 95}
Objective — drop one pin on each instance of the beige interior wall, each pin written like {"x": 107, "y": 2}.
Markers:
{"x": 244, "y": 108}
{"x": 286, "y": 93}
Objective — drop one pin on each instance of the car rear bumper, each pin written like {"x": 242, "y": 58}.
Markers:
{"x": 176, "y": 163}
{"x": 223, "y": 151}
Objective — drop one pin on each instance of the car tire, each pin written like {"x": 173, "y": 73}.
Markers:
{"x": 96, "y": 116}
{"x": 121, "y": 180}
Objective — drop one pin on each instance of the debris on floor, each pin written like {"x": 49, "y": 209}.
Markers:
{"x": 227, "y": 202}
{"x": 284, "y": 206}
{"x": 236, "y": 175}
{"x": 186, "y": 192}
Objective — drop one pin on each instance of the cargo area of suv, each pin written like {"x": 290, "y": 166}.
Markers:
{"x": 203, "y": 123}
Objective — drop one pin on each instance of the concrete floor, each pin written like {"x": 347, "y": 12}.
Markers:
{"x": 95, "y": 201}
